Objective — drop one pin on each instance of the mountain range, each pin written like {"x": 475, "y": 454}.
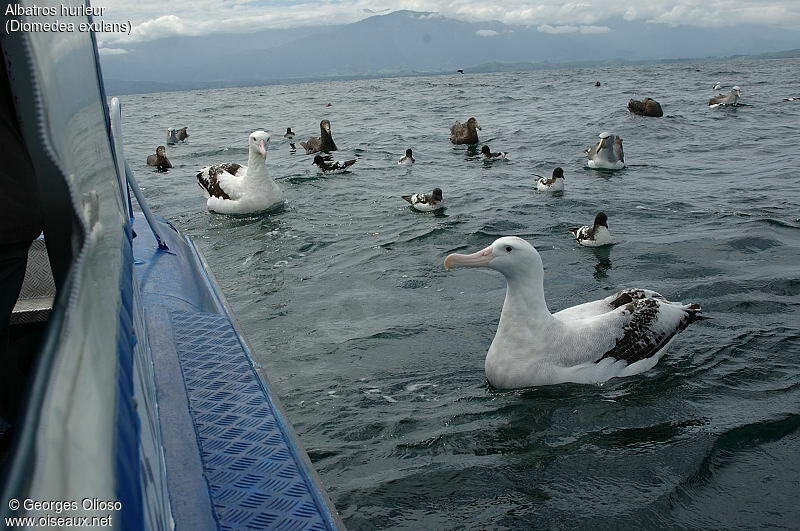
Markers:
{"x": 408, "y": 42}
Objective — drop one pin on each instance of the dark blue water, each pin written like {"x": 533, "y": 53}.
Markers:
{"x": 377, "y": 352}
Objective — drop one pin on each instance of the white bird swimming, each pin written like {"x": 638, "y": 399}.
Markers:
{"x": 607, "y": 154}
{"x": 722, "y": 99}
{"x": 596, "y": 235}
{"x": 553, "y": 184}
{"x": 235, "y": 189}
{"x": 426, "y": 202}
{"x": 408, "y": 159}
{"x": 620, "y": 335}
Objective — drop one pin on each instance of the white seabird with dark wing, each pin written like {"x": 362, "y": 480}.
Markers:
{"x": 235, "y": 189}
{"x": 620, "y": 335}
{"x": 489, "y": 155}
{"x": 331, "y": 166}
{"x": 408, "y": 159}
{"x": 426, "y": 202}
{"x": 595, "y": 235}
{"x": 607, "y": 154}
{"x": 553, "y": 184}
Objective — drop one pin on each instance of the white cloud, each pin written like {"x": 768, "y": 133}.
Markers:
{"x": 486, "y": 33}
{"x": 111, "y": 51}
{"x": 155, "y": 19}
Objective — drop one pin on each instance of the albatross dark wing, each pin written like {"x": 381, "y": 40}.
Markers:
{"x": 209, "y": 179}
{"x": 645, "y": 335}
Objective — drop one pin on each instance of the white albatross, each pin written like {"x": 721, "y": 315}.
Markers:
{"x": 621, "y": 335}
{"x": 235, "y": 189}
{"x": 607, "y": 154}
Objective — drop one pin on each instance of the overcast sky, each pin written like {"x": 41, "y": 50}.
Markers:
{"x": 154, "y": 19}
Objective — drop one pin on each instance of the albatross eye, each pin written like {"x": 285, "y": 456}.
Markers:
{"x": 509, "y": 248}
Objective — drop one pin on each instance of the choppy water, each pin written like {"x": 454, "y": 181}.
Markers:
{"x": 377, "y": 352}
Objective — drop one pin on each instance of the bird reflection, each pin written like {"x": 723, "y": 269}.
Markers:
{"x": 603, "y": 255}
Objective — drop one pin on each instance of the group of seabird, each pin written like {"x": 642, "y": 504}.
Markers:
{"x": 621, "y": 335}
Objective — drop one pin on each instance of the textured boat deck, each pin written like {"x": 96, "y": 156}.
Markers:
{"x": 253, "y": 478}
{"x": 232, "y": 458}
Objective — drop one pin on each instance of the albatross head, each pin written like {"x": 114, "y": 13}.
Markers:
{"x": 510, "y": 255}
{"x": 325, "y": 125}
{"x": 259, "y": 141}
{"x": 161, "y": 151}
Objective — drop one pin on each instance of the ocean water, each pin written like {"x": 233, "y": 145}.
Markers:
{"x": 377, "y": 352}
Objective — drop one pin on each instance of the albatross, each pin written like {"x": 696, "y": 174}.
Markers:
{"x": 722, "y": 99}
{"x": 607, "y": 154}
{"x": 235, "y": 189}
{"x": 621, "y": 335}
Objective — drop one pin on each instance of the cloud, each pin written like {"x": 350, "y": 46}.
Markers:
{"x": 153, "y": 19}
{"x": 546, "y": 28}
{"x": 111, "y": 51}
{"x": 486, "y": 33}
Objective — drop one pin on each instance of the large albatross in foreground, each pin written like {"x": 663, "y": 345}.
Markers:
{"x": 235, "y": 189}
{"x": 621, "y": 335}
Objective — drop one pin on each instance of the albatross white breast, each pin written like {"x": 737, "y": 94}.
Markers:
{"x": 620, "y": 335}
{"x": 235, "y": 189}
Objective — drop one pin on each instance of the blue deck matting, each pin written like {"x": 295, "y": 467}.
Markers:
{"x": 253, "y": 478}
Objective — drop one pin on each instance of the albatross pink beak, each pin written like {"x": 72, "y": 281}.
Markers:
{"x": 262, "y": 147}
{"x": 481, "y": 258}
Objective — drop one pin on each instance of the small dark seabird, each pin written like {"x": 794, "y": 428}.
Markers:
{"x": 594, "y": 236}
{"x": 487, "y": 154}
{"x": 722, "y": 99}
{"x": 553, "y": 184}
{"x": 596, "y": 83}
{"x": 646, "y": 107}
{"x": 290, "y": 135}
{"x": 324, "y": 142}
{"x": 460, "y": 71}
{"x": 408, "y": 159}
{"x": 465, "y": 133}
{"x": 792, "y": 98}
{"x": 426, "y": 202}
{"x": 336, "y": 165}
{"x": 159, "y": 160}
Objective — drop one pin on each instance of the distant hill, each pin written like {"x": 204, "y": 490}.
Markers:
{"x": 409, "y": 43}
